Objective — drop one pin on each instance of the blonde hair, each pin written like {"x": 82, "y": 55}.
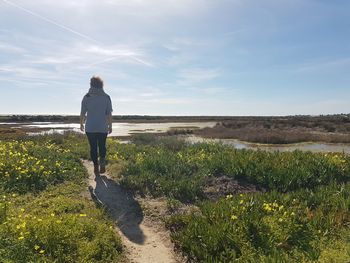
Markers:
{"x": 96, "y": 82}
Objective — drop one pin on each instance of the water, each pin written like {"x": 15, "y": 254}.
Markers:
{"x": 119, "y": 129}
{"x": 310, "y": 146}
{"x": 126, "y": 129}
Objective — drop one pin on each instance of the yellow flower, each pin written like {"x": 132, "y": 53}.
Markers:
{"x": 21, "y": 238}
{"x": 292, "y": 214}
{"x": 36, "y": 247}
{"x": 52, "y": 214}
{"x": 241, "y": 202}
{"x": 42, "y": 251}
{"x": 82, "y": 215}
{"x": 233, "y": 217}
{"x": 229, "y": 196}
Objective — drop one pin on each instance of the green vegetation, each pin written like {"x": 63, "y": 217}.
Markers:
{"x": 43, "y": 215}
{"x": 180, "y": 171}
{"x": 303, "y": 217}
{"x": 301, "y": 226}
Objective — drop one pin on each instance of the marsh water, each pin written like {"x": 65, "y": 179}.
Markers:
{"x": 309, "y": 146}
{"x": 126, "y": 129}
{"x": 119, "y": 129}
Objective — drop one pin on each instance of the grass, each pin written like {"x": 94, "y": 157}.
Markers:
{"x": 30, "y": 167}
{"x": 43, "y": 215}
{"x": 302, "y": 217}
{"x": 303, "y": 211}
{"x": 270, "y": 227}
{"x": 181, "y": 171}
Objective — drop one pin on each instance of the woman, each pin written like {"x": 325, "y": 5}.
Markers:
{"x": 98, "y": 107}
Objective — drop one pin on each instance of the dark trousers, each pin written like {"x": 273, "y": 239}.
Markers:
{"x": 97, "y": 140}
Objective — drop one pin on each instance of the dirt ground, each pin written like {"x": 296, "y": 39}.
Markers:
{"x": 222, "y": 186}
{"x": 145, "y": 239}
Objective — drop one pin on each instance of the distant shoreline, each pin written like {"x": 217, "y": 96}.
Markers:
{"x": 149, "y": 118}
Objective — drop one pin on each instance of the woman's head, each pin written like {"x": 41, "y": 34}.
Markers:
{"x": 96, "y": 82}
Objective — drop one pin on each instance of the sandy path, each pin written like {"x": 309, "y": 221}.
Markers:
{"x": 144, "y": 241}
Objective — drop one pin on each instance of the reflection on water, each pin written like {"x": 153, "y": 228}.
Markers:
{"x": 119, "y": 129}
{"x": 313, "y": 147}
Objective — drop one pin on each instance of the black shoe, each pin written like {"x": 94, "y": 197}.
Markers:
{"x": 96, "y": 170}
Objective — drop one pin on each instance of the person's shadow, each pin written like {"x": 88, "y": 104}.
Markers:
{"x": 122, "y": 207}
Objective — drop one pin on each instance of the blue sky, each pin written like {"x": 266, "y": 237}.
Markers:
{"x": 177, "y": 57}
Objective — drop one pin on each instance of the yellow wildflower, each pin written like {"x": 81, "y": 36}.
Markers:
{"x": 233, "y": 217}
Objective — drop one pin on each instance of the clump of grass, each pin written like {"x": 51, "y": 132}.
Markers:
{"x": 304, "y": 209}
{"x": 43, "y": 217}
{"x": 293, "y": 227}
{"x": 181, "y": 172}
{"x": 144, "y": 138}
{"x": 55, "y": 227}
{"x": 28, "y": 166}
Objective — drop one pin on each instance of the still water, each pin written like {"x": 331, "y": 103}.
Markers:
{"x": 311, "y": 146}
{"x": 119, "y": 129}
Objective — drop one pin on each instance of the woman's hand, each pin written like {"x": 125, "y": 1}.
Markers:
{"x": 82, "y": 127}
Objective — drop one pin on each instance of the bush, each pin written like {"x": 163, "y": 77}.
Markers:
{"x": 28, "y": 166}
{"x": 43, "y": 217}
{"x": 55, "y": 228}
{"x": 182, "y": 172}
{"x": 272, "y": 227}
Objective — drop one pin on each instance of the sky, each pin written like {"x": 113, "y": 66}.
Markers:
{"x": 176, "y": 57}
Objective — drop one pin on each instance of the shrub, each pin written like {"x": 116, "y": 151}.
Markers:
{"x": 275, "y": 227}
{"x": 182, "y": 172}
{"x": 28, "y": 166}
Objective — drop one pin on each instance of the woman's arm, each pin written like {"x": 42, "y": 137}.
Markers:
{"x": 82, "y": 121}
{"x": 109, "y": 120}
{"x": 109, "y": 114}
{"x": 82, "y": 114}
